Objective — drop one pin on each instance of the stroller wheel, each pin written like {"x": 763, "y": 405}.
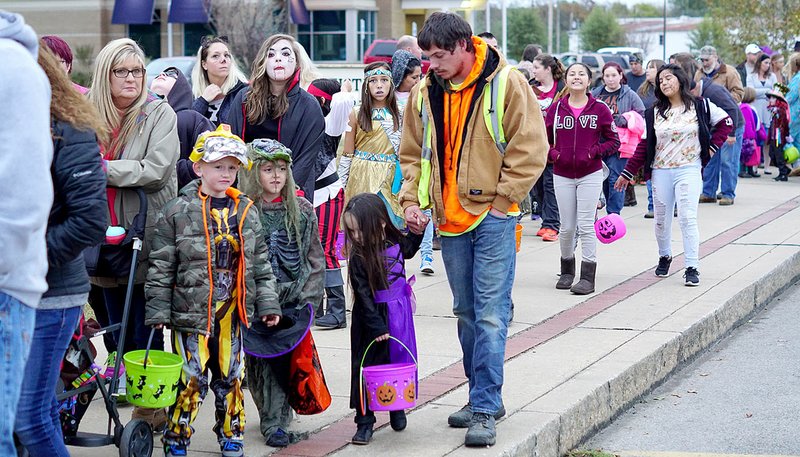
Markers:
{"x": 136, "y": 440}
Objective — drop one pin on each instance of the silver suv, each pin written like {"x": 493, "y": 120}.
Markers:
{"x": 594, "y": 61}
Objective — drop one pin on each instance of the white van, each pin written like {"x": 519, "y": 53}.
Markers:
{"x": 622, "y": 50}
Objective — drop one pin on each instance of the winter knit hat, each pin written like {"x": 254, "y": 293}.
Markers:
{"x": 401, "y": 60}
{"x": 268, "y": 150}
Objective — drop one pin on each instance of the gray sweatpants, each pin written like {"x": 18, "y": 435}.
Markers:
{"x": 577, "y": 206}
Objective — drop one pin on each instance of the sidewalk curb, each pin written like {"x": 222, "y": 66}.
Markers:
{"x": 569, "y": 429}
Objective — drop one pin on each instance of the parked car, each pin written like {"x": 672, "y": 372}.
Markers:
{"x": 595, "y": 62}
{"x": 383, "y": 50}
{"x": 182, "y": 63}
{"x": 622, "y": 50}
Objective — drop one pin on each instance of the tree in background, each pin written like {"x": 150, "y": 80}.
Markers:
{"x": 773, "y": 23}
{"x": 600, "y": 30}
{"x": 248, "y": 23}
{"x": 693, "y": 8}
{"x": 711, "y": 32}
{"x": 525, "y": 26}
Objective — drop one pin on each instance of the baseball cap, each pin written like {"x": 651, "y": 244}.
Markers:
{"x": 635, "y": 57}
{"x": 221, "y": 143}
{"x": 752, "y": 48}
{"x": 707, "y": 51}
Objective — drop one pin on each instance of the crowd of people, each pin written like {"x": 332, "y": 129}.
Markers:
{"x": 250, "y": 183}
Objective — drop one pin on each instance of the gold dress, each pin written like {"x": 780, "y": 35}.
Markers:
{"x": 374, "y": 167}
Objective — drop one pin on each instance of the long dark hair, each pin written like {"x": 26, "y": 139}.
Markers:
{"x": 662, "y": 101}
{"x": 375, "y": 227}
{"x": 563, "y": 92}
{"x": 365, "y": 113}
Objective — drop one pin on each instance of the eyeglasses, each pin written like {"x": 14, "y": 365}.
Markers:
{"x": 171, "y": 72}
{"x": 122, "y": 73}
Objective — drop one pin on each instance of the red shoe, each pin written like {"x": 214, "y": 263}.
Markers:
{"x": 549, "y": 235}
{"x": 542, "y": 231}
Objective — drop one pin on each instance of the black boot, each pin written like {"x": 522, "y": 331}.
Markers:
{"x": 586, "y": 284}
{"x": 630, "y": 197}
{"x": 753, "y": 173}
{"x": 336, "y": 316}
{"x": 567, "y": 273}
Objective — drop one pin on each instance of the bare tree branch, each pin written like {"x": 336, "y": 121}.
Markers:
{"x": 247, "y": 23}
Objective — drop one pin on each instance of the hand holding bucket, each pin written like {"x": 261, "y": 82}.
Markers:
{"x": 389, "y": 387}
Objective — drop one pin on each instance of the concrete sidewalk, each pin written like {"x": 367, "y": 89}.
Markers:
{"x": 572, "y": 363}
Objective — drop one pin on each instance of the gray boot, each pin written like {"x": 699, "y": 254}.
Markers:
{"x": 567, "y": 273}
{"x": 336, "y": 316}
{"x": 586, "y": 284}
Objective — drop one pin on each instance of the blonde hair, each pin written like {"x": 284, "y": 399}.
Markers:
{"x": 794, "y": 64}
{"x": 67, "y": 104}
{"x": 113, "y": 54}
{"x": 200, "y": 76}
{"x": 261, "y": 103}
{"x": 310, "y": 72}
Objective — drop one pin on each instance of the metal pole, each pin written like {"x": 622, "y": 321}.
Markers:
{"x": 169, "y": 31}
{"x": 488, "y": 16}
{"x": 558, "y": 27}
{"x": 550, "y": 27}
{"x": 664, "y": 47}
{"x": 505, "y": 26}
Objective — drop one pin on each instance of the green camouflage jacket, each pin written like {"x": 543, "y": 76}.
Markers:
{"x": 179, "y": 289}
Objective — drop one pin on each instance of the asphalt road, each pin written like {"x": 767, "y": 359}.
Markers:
{"x": 741, "y": 397}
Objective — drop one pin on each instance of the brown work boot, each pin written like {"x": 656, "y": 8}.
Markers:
{"x": 157, "y": 418}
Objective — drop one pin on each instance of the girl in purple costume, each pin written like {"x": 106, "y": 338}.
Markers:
{"x": 383, "y": 299}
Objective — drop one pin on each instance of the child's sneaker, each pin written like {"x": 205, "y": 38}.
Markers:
{"x": 175, "y": 450}
{"x": 426, "y": 267}
{"x": 279, "y": 438}
{"x": 232, "y": 447}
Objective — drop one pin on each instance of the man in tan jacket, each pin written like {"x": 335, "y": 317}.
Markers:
{"x": 719, "y": 72}
{"x": 473, "y": 175}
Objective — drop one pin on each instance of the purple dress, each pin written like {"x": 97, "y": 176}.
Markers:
{"x": 400, "y": 307}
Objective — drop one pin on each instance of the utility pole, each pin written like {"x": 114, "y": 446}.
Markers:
{"x": 550, "y": 26}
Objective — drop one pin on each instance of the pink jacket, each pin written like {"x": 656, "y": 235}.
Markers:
{"x": 629, "y": 137}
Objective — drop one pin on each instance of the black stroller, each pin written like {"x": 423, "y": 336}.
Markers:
{"x": 134, "y": 439}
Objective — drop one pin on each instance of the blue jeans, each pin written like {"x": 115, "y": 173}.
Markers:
{"x": 16, "y": 332}
{"x": 722, "y": 171}
{"x": 479, "y": 266}
{"x": 546, "y": 196}
{"x": 615, "y": 199}
{"x": 426, "y": 247}
{"x": 38, "y": 424}
{"x": 649, "y": 196}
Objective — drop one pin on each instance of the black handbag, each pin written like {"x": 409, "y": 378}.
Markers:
{"x": 115, "y": 260}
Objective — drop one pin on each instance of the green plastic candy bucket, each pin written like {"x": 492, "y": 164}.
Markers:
{"x": 152, "y": 377}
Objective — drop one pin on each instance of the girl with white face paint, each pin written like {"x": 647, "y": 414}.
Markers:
{"x": 276, "y": 107}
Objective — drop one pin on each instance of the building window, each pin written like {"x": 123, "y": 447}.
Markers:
{"x": 366, "y": 31}
{"x": 148, "y": 36}
{"x": 326, "y": 37}
{"x": 192, "y": 35}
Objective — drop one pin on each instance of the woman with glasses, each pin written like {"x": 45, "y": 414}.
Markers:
{"x": 276, "y": 107}
{"x": 173, "y": 87}
{"x": 216, "y": 78}
{"x": 141, "y": 152}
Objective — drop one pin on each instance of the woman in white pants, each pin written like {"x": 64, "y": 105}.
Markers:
{"x": 581, "y": 132}
{"x": 682, "y": 133}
